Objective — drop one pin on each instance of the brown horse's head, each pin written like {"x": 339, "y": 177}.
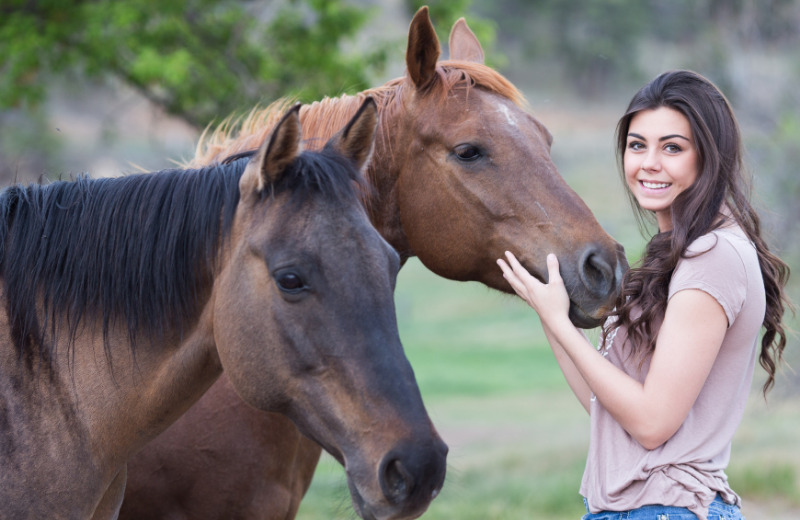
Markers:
{"x": 470, "y": 173}
{"x": 304, "y": 318}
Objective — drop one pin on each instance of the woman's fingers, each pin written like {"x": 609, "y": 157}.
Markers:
{"x": 523, "y": 283}
{"x": 511, "y": 277}
{"x": 552, "y": 269}
{"x": 520, "y": 271}
{"x": 514, "y": 263}
{"x": 548, "y": 299}
{"x": 503, "y": 266}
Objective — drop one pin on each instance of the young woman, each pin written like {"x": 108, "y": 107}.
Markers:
{"x": 667, "y": 388}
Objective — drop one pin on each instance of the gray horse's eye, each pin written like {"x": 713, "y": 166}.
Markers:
{"x": 290, "y": 282}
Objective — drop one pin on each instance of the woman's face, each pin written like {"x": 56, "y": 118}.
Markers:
{"x": 660, "y": 160}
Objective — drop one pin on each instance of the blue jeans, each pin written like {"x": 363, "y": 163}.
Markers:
{"x": 718, "y": 510}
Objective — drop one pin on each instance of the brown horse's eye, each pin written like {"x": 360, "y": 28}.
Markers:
{"x": 290, "y": 282}
{"x": 467, "y": 152}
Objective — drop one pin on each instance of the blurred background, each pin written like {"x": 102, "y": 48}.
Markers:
{"x": 112, "y": 87}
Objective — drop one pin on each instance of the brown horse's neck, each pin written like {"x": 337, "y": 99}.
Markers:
{"x": 321, "y": 119}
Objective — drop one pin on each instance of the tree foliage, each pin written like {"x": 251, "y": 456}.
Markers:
{"x": 198, "y": 59}
{"x": 600, "y": 44}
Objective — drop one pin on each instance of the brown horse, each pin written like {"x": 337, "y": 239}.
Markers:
{"x": 461, "y": 172}
{"x": 126, "y": 298}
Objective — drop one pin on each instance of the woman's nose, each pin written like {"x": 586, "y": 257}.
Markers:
{"x": 651, "y": 162}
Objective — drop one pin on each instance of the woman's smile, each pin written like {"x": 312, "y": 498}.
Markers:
{"x": 655, "y": 185}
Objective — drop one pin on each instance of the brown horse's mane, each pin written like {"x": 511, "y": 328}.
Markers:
{"x": 321, "y": 119}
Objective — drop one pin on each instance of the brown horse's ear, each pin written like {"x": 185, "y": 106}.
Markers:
{"x": 275, "y": 154}
{"x": 355, "y": 140}
{"x": 463, "y": 43}
{"x": 423, "y": 49}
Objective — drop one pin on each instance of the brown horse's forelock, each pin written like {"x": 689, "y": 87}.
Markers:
{"x": 458, "y": 74}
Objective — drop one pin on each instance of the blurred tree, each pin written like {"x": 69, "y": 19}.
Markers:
{"x": 198, "y": 59}
{"x": 595, "y": 42}
{"x": 762, "y": 21}
{"x": 774, "y": 150}
{"x": 17, "y": 131}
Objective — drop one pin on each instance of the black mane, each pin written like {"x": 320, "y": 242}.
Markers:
{"x": 325, "y": 172}
{"x": 138, "y": 250}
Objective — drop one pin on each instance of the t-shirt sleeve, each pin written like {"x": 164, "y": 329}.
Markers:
{"x": 717, "y": 270}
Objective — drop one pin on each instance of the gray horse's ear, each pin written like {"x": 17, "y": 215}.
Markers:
{"x": 277, "y": 152}
{"x": 356, "y": 139}
{"x": 423, "y": 49}
{"x": 464, "y": 45}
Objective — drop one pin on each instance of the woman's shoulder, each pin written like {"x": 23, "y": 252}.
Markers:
{"x": 728, "y": 240}
{"x": 721, "y": 264}
{"x": 722, "y": 252}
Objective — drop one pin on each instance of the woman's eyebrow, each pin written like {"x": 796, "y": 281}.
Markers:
{"x": 665, "y": 138}
{"x": 673, "y": 136}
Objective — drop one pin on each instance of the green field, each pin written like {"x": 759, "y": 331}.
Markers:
{"x": 517, "y": 436}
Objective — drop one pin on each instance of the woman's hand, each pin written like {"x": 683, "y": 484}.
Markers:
{"x": 549, "y": 300}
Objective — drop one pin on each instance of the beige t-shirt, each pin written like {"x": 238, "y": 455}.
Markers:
{"x": 689, "y": 469}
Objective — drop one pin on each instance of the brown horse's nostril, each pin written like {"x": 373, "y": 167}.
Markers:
{"x": 597, "y": 274}
{"x": 397, "y": 484}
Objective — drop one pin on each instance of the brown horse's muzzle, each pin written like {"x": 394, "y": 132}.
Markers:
{"x": 593, "y": 284}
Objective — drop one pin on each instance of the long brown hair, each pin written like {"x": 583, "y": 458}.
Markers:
{"x": 696, "y": 211}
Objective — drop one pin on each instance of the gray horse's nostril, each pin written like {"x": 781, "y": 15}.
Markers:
{"x": 596, "y": 273}
{"x": 397, "y": 484}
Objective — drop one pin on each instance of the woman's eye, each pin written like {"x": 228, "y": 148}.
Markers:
{"x": 290, "y": 282}
{"x": 635, "y": 146}
{"x": 467, "y": 152}
{"x": 672, "y": 148}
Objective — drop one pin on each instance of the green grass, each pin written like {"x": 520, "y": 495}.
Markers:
{"x": 766, "y": 481}
{"x": 465, "y": 340}
{"x": 517, "y": 436}
{"x": 765, "y": 463}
